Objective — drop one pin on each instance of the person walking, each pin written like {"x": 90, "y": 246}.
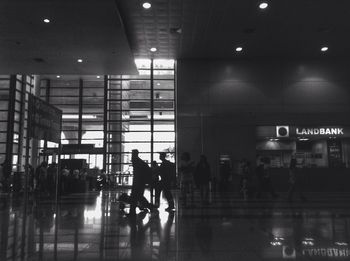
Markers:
{"x": 141, "y": 171}
{"x": 167, "y": 178}
{"x": 186, "y": 178}
{"x": 202, "y": 176}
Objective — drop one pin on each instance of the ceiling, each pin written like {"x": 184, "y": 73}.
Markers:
{"x": 109, "y": 34}
{"x": 214, "y": 28}
{"x": 87, "y": 29}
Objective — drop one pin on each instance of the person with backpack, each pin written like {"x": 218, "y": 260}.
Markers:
{"x": 168, "y": 176}
{"x": 142, "y": 174}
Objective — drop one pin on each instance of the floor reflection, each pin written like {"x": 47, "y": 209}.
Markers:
{"x": 92, "y": 227}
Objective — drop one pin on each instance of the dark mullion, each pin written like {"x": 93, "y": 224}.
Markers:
{"x": 10, "y": 118}
{"x": 21, "y": 125}
{"x": 80, "y": 112}
{"x": 47, "y": 97}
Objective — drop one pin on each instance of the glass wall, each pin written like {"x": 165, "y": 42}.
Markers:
{"x": 115, "y": 114}
{"x": 81, "y": 100}
{"x": 141, "y": 114}
{"x": 14, "y": 91}
{"x": 4, "y": 104}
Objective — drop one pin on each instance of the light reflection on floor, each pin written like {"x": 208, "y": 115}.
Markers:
{"x": 92, "y": 227}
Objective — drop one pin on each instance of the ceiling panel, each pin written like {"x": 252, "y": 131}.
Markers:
{"x": 87, "y": 29}
{"x": 213, "y": 28}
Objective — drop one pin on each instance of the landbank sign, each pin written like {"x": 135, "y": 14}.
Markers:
{"x": 319, "y": 131}
{"x": 310, "y": 131}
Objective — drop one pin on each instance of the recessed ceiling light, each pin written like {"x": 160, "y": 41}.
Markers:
{"x": 324, "y": 49}
{"x": 239, "y": 49}
{"x": 158, "y": 83}
{"x": 153, "y": 49}
{"x": 46, "y": 20}
{"x": 263, "y": 5}
{"x": 58, "y": 76}
{"x": 98, "y": 76}
{"x": 146, "y": 5}
{"x": 80, "y": 60}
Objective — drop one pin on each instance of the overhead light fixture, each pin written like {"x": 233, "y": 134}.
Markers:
{"x": 76, "y": 116}
{"x": 153, "y": 49}
{"x": 263, "y": 5}
{"x": 98, "y": 76}
{"x": 146, "y": 5}
{"x": 239, "y": 49}
{"x": 58, "y": 76}
{"x": 324, "y": 49}
{"x": 46, "y": 20}
{"x": 158, "y": 83}
{"x": 80, "y": 60}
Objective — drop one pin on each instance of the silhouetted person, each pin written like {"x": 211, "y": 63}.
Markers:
{"x": 31, "y": 175}
{"x": 246, "y": 179}
{"x": 264, "y": 180}
{"x": 225, "y": 173}
{"x": 141, "y": 171}
{"x": 294, "y": 180}
{"x": 186, "y": 177}
{"x": 5, "y": 175}
{"x": 64, "y": 179}
{"x": 167, "y": 175}
{"x": 202, "y": 176}
{"x": 155, "y": 184}
{"x": 50, "y": 178}
{"x": 42, "y": 178}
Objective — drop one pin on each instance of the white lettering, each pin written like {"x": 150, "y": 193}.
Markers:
{"x": 329, "y": 252}
{"x": 335, "y": 252}
{"x": 320, "y": 131}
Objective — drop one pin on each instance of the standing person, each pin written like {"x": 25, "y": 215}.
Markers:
{"x": 168, "y": 176}
{"x": 246, "y": 179}
{"x": 186, "y": 177}
{"x": 51, "y": 178}
{"x": 240, "y": 173}
{"x": 202, "y": 176}
{"x": 5, "y": 173}
{"x": 42, "y": 178}
{"x": 294, "y": 181}
{"x": 141, "y": 171}
{"x": 2, "y": 176}
{"x": 155, "y": 185}
{"x": 64, "y": 180}
{"x": 225, "y": 174}
{"x": 264, "y": 180}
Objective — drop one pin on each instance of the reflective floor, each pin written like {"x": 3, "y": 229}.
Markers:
{"x": 92, "y": 227}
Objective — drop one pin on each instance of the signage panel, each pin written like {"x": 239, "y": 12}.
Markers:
{"x": 44, "y": 120}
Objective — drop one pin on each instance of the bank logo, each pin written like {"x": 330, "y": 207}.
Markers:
{"x": 282, "y": 131}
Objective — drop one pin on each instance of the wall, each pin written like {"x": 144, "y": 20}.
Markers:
{"x": 219, "y": 103}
